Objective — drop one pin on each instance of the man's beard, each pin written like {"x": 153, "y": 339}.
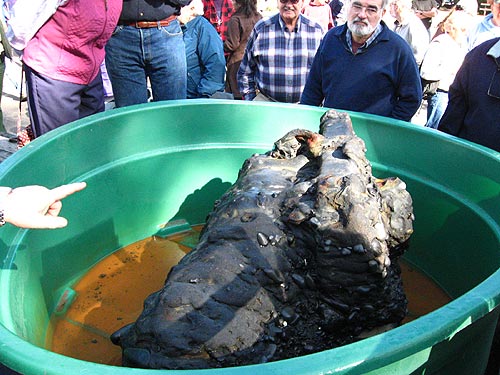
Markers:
{"x": 358, "y": 29}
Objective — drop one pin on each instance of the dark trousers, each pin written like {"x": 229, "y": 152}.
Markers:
{"x": 7, "y": 371}
{"x": 2, "y": 72}
{"x": 53, "y": 103}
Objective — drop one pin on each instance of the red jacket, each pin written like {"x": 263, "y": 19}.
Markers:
{"x": 70, "y": 46}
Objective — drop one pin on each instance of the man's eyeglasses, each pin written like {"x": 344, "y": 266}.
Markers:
{"x": 289, "y": 1}
{"x": 370, "y": 10}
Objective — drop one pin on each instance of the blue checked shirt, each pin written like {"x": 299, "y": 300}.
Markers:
{"x": 277, "y": 61}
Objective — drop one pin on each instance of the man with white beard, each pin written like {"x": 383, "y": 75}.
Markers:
{"x": 363, "y": 66}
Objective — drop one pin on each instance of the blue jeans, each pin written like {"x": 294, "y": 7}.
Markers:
{"x": 436, "y": 105}
{"x": 133, "y": 55}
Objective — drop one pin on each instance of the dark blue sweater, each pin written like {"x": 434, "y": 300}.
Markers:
{"x": 472, "y": 114}
{"x": 383, "y": 79}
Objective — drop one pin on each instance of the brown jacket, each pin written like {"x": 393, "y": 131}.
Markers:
{"x": 239, "y": 28}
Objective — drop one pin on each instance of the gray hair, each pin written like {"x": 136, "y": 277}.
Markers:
{"x": 384, "y": 3}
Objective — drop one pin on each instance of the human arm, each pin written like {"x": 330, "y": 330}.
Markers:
{"x": 452, "y": 120}
{"x": 433, "y": 64}
{"x": 246, "y": 72}
{"x": 426, "y": 13}
{"x": 212, "y": 61}
{"x": 233, "y": 35}
{"x": 419, "y": 40}
{"x": 26, "y": 17}
{"x": 409, "y": 87}
{"x": 432, "y": 12}
{"x": 313, "y": 92}
{"x": 36, "y": 206}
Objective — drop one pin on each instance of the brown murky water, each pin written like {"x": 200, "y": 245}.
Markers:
{"x": 112, "y": 293}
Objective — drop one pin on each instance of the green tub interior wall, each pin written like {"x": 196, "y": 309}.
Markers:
{"x": 149, "y": 164}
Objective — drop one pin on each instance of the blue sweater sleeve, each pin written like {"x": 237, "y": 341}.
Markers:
{"x": 409, "y": 91}
{"x": 313, "y": 93}
{"x": 454, "y": 115}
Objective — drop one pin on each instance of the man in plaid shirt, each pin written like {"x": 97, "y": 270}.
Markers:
{"x": 218, "y": 13}
{"x": 279, "y": 54}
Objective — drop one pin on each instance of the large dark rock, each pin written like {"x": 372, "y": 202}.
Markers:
{"x": 299, "y": 256}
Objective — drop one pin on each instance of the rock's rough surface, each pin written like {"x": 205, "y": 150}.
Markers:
{"x": 299, "y": 256}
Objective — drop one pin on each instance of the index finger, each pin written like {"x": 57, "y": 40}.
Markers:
{"x": 63, "y": 191}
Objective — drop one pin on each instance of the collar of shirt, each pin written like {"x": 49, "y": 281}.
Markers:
{"x": 494, "y": 51}
{"x": 283, "y": 26}
{"x": 370, "y": 40}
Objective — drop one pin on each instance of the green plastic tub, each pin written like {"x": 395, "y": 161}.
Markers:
{"x": 147, "y": 165}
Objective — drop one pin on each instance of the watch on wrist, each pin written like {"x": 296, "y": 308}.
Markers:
{"x": 2, "y": 218}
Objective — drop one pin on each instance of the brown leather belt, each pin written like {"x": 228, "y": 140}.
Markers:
{"x": 149, "y": 24}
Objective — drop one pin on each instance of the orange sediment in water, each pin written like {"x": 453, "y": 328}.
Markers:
{"x": 112, "y": 294}
{"x": 423, "y": 294}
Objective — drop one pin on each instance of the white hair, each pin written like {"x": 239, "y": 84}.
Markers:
{"x": 190, "y": 11}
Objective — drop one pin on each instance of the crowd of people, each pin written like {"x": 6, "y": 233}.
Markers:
{"x": 383, "y": 57}
{"x": 349, "y": 56}
{"x": 307, "y": 52}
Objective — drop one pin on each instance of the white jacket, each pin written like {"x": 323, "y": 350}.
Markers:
{"x": 442, "y": 61}
{"x": 25, "y": 17}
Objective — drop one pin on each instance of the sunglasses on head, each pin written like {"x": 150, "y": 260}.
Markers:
{"x": 289, "y": 1}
